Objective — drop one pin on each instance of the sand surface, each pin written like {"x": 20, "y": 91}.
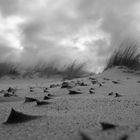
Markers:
{"x": 68, "y": 115}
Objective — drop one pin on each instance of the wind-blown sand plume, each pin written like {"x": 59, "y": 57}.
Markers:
{"x": 18, "y": 117}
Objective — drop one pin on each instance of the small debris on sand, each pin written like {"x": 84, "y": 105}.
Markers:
{"x": 74, "y": 92}
{"x": 47, "y": 98}
{"x": 107, "y": 126}
{"x": 124, "y": 137}
{"x": 18, "y": 117}
{"x": 45, "y": 90}
{"x": 115, "y": 82}
{"x": 91, "y": 91}
{"x": 2, "y": 91}
{"x": 8, "y": 95}
{"x": 84, "y": 136}
{"x": 91, "y": 78}
{"x": 50, "y": 95}
{"x": 107, "y": 79}
{"x": 30, "y": 99}
{"x": 31, "y": 89}
{"x": 66, "y": 85}
{"x": 128, "y": 78}
{"x": 10, "y": 89}
{"x": 54, "y": 85}
{"x": 82, "y": 84}
{"x": 100, "y": 85}
{"x": 118, "y": 95}
{"x": 42, "y": 102}
{"x": 111, "y": 93}
{"x": 94, "y": 82}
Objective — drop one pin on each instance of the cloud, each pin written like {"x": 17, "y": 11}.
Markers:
{"x": 9, "y": 7}
{"x": 85, "y": 30}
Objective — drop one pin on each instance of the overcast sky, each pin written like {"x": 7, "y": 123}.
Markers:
{"x": 66, "y": 30}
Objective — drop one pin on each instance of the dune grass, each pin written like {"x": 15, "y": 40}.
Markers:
{"x": 50, "y": 69}
{"x": 74, "y": 71}
{"x": 127, "y": 55}
{"x": 44, "y": 70}
{"x": 8, "y": 69}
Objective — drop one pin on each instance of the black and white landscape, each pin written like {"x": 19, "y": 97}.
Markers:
{"x": 69, "y": 70}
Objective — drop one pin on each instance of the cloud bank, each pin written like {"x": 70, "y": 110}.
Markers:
{"x": 66, "y": 30}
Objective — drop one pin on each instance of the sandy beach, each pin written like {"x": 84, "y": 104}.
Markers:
{"x": 110, "y": 98}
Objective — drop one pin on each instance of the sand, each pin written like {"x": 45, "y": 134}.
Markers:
{"x": 112, "y": 97}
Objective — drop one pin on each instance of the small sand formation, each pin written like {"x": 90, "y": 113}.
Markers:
{"x": 18, "y": 117}
{"x": 29, "y": 99}
{"x": 10, "y": 89}
{"x": 31, "y": 89}
{"x": 50, "y": 95}
{"x": 54, "y": 85}
{"x": 8, "y": 95}
{"x": 115, "y": 82}
{"x": 110, "y": 94}
{"x": 107, "y": 126}
{"x": 84, "y": 136}
{"x": 66, "y": 85}
{"x": 91, "y": 91}
{"x": 74, "y": 92}
{"x": 45, "y": 90}
{"x": 42, "y": 102}
{"x": 124, "y": 137}
{"x": 118, "y": 95}
{"x": 47, "y": 98}
{"x": 80, "y": 83}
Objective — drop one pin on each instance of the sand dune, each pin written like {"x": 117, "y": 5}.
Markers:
{"x": 102, "y": 107}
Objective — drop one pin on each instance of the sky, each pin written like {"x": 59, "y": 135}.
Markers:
{"x": 66, "y": 30}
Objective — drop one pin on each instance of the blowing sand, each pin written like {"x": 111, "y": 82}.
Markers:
{"x": 103, "y": 107}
